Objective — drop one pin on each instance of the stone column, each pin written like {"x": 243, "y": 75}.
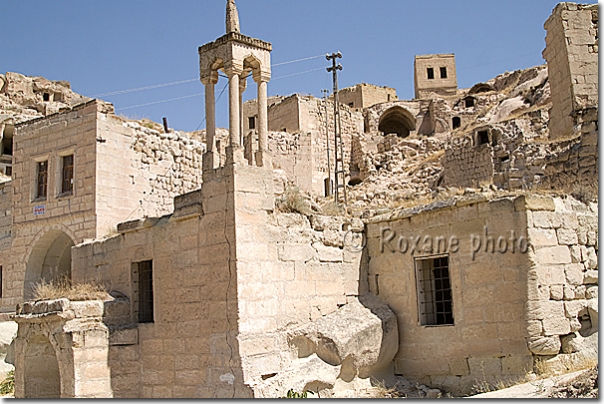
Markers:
{"x": 234, "y": 124}
{"x": 242, "y": 87}
{"x": 262, "y": 154}
{"x": 210, "y": 160}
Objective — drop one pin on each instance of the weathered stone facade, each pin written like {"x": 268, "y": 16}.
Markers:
{"x": 215, "y": 292}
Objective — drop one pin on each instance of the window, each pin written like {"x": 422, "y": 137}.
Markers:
{"x": 42, "y": 179}
{"x": 67, "y": 175}
{"x": 456, "y": 122}
{"x": 142, "y": 285}
{"x": 434, "y": 291}
{"x": 430, "y": 73}
{"x": 483, "y": 137}
{"x": 469, "y": 102}
{"x": 7, "y": 147}
{"x": 443, "y": 72}
{"x": 8, "y": 170}
{"x": 0, "y": 280}
{"x": 46, "y": 97}
{"x": 252, "y": 122}
{"x": 351, "y": 104}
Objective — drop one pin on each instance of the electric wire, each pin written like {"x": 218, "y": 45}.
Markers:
{"x": 173, "y": 83}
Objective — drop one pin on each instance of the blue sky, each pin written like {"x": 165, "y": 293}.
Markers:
{"x": 111, "y": 45}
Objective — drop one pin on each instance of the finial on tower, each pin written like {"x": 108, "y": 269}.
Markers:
{"x": 232, "y": 17}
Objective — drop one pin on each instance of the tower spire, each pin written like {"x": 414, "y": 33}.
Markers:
{"x": 232, "y": 17}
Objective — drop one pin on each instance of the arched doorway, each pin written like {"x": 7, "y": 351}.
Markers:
{"x": 41, "y": 373}
{"x": 50, "y": 260}
{"x": 397, "y": 120}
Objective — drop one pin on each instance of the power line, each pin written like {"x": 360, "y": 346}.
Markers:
{"x": 298, "y": 60}
{"x": 160, "y": 102}
{"x": 199, "y": 94}
{"x": 133, "y": 90}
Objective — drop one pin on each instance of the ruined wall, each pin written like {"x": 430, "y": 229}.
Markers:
{"x": 153, "y": 168}
{"x": 572, "y": 58}
{"x": 467, "y": 165}
{"x": 562, "y": 307}
{"x": 365, "y": 95}
{"x": 303, "y": 153}
{"x": 484, "y": 243}
{"x": 573, "y": 164}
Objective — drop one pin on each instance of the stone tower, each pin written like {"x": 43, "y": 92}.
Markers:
{"x": 435, "y": 74}
{"x": 237, "y": 56}
{"x": 572, "y": 59}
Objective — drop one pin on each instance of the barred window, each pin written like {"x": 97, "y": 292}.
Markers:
{"x": 142, "y": 296}
{"x": 434, "y": 291}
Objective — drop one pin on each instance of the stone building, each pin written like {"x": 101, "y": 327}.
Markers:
{"x": 214, "y": 291}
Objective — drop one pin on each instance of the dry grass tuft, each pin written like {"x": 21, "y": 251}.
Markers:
{"x": 293, "y": 201}
{"x": 63, "y": 288}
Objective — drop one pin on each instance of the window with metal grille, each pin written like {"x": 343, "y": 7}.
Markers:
{"x": 142, "y": 296}
{"x": 67, "y": 175}
{"x": 434, "y": 291}
{"x": 42, "y": 180}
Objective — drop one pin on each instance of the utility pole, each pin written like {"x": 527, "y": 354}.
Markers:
{"x": 340, "y": 175}
{"x": 328, "y": 187}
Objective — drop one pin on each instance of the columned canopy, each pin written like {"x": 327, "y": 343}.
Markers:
{"x": 238, "y": 56}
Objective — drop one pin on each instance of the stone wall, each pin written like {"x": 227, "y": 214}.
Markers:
{"x": 562, "y": 306}
{"x": 573, "y": 164}
{"x": 436, "y": 84}
{"x": 467, "y": 165}
{"x": 6, "y": 192}
{"x": 535, "y": 257}
{"x": 365, "y": 95}
{"x": 485, "y": 243}
{"x": 302, "y": 153}
{"x": 121, "y": 171}
{"x": 572, "y": 58}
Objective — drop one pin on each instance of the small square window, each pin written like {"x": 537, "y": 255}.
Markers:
{"x": 443, "y": 72}
{"x": 430, "y": 73}
{"x": 434, "y": 291}
{"x": 67, "y": 175}
{"x": 41, "y": 179}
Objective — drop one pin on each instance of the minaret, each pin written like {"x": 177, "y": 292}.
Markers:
{"x": 236, "y": 55}
{"x": 232, "y": 17}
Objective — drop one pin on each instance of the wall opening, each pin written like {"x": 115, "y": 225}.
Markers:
{"x": 470, "y": 102}
{"x": 41, "y": 373}
{"x": 397, "y": 120}
{"x": 49, "y": 261}
{"x": 142, "y": 293}
{"x": 434, "y": 291}
{"x": 456, "y": 122}
{"x": 430, "y": 72}
{"x": 67, "y": 175}
{"x": 443, "y": 72}
{"x": 482, "y": 137}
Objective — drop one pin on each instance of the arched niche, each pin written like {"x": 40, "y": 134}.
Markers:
{"x": 49, "y": 260}
{"x": 42, "y": 375}
{"x": 397, "y": 120}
